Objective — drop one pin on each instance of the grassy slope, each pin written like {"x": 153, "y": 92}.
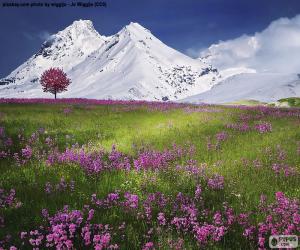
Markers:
{"x": 104, "y": 126}
{"x": 247, "y": 103}
{"x": 292, "y": 101}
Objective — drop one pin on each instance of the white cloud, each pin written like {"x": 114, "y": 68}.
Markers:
{"x": 42, "y": 35}
{"x": 275, "y": 49}
{"x": 194, "y": 52}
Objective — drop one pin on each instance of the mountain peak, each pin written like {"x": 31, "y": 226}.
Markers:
{"x": 132, "y": 64}
{"x": 77, "y": 40}
{"x": 135, "y": 29}
{"x": 79, "y": 28}
{"x": 135, "y": 25}
{"x": 82, "y": 24}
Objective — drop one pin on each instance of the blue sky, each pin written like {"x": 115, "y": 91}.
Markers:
{"x": 186, "y": 25}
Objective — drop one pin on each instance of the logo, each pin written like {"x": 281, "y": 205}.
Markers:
{"x": 283, "y": 241}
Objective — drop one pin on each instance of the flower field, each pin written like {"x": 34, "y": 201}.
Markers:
{"x": 92, "y": 174}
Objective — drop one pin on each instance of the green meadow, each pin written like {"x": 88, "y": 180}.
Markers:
{"x": 243, "y": 158}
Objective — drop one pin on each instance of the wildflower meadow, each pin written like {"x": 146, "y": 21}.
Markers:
{"x": 95, "y": 174}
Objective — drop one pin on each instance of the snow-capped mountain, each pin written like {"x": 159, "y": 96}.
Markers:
{"x": 132, "y": 64}
{"x": 64, "y": 49}
{"x": 265, "y": 87}
{"x": 258, "y": 67}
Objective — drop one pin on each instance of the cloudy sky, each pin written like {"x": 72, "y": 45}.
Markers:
{"x": 275, "y": 49}
{"x": 190, "y": 26}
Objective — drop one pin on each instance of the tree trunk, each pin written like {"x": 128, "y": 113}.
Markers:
{"x": 55, "y": 95}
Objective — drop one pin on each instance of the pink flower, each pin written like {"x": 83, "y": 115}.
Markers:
{"x": 23, "y": 235}
{"x": 216, "y": 182}
{"x": 72, "y": 228}
{"x": 261, "y": 241}
{"x": 248, "y": 233}
{"x": 161, "y": 219}
{"x": 296, "y": 218}
{"x": 198, "y": 192}
{"x": 263, "y": 127}
{"x": 131, "y": 200}
{"x": 27, "y": 152}
{"x": 148, "y": 246}
{"x": 222, "y": 136}
{"x": 91, "y": 214}
{"x": 69, "y": 244}
{"x": 105, "y": 239}
{"x": 218, "y": 218}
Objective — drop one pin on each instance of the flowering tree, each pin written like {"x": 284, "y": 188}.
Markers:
{"x": 54, "y": 80}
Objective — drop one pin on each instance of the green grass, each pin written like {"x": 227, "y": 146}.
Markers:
{"x": 103, "y": 126}
{"x": 292, "y": 101}
{"x": 247, "y": 103}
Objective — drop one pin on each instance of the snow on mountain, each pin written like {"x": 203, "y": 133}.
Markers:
{"x": 262, "y": 66}
{"x": 265, "y": 87}
{"x": 64, "y": 49}
{"x": 132, "y": 64}
{"x": 225, "y": 73}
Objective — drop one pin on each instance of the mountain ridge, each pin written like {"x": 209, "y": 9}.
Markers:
{"x": 131, "y": 64}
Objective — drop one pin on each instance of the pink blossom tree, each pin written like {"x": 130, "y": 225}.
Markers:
{"x": 54, "y": 80}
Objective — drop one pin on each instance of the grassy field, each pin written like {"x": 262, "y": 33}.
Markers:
{"x": 292, "y": 101}
{"x": 207, "y": 191}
